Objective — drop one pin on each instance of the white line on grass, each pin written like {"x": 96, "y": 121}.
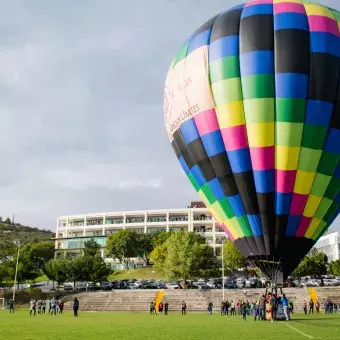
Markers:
{"x": 296, "y": 330}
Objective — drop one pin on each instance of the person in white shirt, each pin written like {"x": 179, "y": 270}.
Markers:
{"x": 33, "y": 307}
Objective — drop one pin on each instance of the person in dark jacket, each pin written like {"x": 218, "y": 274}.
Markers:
{"x": 75, "y": 307}
{"x": 11, "y": 306}
{"x": 311, "y": 306}
{"x": 166, "y": 308}
{"x": 273, "y": 306}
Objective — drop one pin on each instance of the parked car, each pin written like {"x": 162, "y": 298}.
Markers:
{"x": 289, "y": 283}
{"x": 172, "y": 285}
{"x": 68, "y": 287}
{"x": 133, "y": 286}
{"x": 106, "y": 285}
{"x": 80, "y": 286}
{"x": 91, "y": 286}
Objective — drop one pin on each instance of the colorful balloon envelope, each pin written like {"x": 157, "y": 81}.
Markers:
{"x": 252, "y": 109}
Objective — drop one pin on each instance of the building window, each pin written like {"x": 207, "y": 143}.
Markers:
{"x": 76, "y": 223}
{"x": 135, "y": 220}
{"x": 178, "y": 218}
{"x": 94, "y": 222}
{"x": 202, "y": 218}
{"x": 156, "y": 219}
{"x": 112, "y": 220}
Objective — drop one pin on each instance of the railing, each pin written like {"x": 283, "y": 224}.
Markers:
{"x": 114, "y": 221}
{"x": 94, "y": 222}
{"x": 135, "y": 220}
{"x": 156, "y": 219}
{"x": 178, "y": 218}
{"x": 207, "y": 218}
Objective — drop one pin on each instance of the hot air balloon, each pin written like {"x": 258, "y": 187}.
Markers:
{"x": 252, "y": 110}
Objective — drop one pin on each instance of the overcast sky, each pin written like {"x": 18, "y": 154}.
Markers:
{"x": 81, "y": 100}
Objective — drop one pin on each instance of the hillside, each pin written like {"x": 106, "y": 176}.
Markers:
{"x": 25, "y": 234}
{"x": 138, "y": 274}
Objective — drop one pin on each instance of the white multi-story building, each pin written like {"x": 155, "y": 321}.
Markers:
{"x": 73, "y": 231}
{"x": 329, "y": 244}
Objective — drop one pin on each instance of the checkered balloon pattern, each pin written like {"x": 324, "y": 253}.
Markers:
{"x": 252, "y": 109}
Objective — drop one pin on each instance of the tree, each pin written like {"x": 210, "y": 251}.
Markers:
{"x": 145, "y": 245}
{"x": 313, "y": 263}
{"x": 97, "y": 270}
{"x": 183, "y": 256}
{"x": 158, "y": 256}
{"x": 56, "y": 270}
{"x": 335, "y": 267}
{"x": 27, "y": 270}
{"x": 122, "y": 246}
{"x": 75, "y": 269}
{"x": 160, "y": 238}
{"x": 40, "y": 253}
{"x": 206, "y": 262}
{"x": 8, "y": 221}
{"x": 91, "y": 248}
{"x": 93, "y": 267}
{"x": 7, "y": 250}
{"x": 304, "y": 268}
{"x": 232, "y": 257}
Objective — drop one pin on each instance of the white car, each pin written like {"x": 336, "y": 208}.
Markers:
{"x": 172, "y": 285}
{"x": 81, "y": 286}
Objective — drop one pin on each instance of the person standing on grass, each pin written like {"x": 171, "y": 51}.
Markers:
{"x": 210, "y": 307}
{"x": 311, "y": 306}
{"x": 226, "y": 308}
{"x": 11, "y": 306}
{"x": 33, "y": 308}
{"x": 262, "y": 307}
{"x": 166, "y": 308}
{"x": 305, "y": 307}
{"x": 257, "y": 310}
{"x": 160, "y": 308}
{"x": 285, "y": 304}
{"x": 184, "y": 308}
{"x": 75, "y": 307}
{"x": 222, "y": 308}
{"x": 326, "y": 307}
{"x": 317, "y": 307}
{"x": 273, "y": 306}
{"x": 61, "y": 307}
{"x": 151, "y": 307}
{"x": 53, "y": 306}
{"x": 232, "y": 307}
{"x": 244, "y": 310}
{"x": 39, "y": 306}
{"x": 291, "y": 307}
{"x": 43, "y": 306}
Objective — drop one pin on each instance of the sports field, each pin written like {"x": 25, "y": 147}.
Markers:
{"x": 123, "y": 326}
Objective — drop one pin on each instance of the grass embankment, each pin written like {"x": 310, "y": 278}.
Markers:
{"x": 138, "y": 274}
{"x": 142, "y": 326}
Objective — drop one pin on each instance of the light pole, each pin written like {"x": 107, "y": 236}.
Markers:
{"x": 222, "y": 271}
{"x": 18, "y": 243}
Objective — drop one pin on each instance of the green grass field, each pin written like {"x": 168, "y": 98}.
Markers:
{"x": 140, "y": 273}
{"x": 123, "y": 326}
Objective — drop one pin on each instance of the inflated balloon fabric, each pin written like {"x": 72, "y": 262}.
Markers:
{"x": 252, "y": 109}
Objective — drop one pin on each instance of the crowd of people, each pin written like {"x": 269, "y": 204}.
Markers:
{"x": 154, "y": 309}
{"x": 268, "y": 307}
{"x": 258, "y": 309}
{"x": 330, "y": 307}
{"x": 52, "y": 306}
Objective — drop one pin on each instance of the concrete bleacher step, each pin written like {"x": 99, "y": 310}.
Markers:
{"x": 139, "y": 300}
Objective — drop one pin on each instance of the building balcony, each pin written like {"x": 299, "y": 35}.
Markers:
{"x": 114, "y": 221}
